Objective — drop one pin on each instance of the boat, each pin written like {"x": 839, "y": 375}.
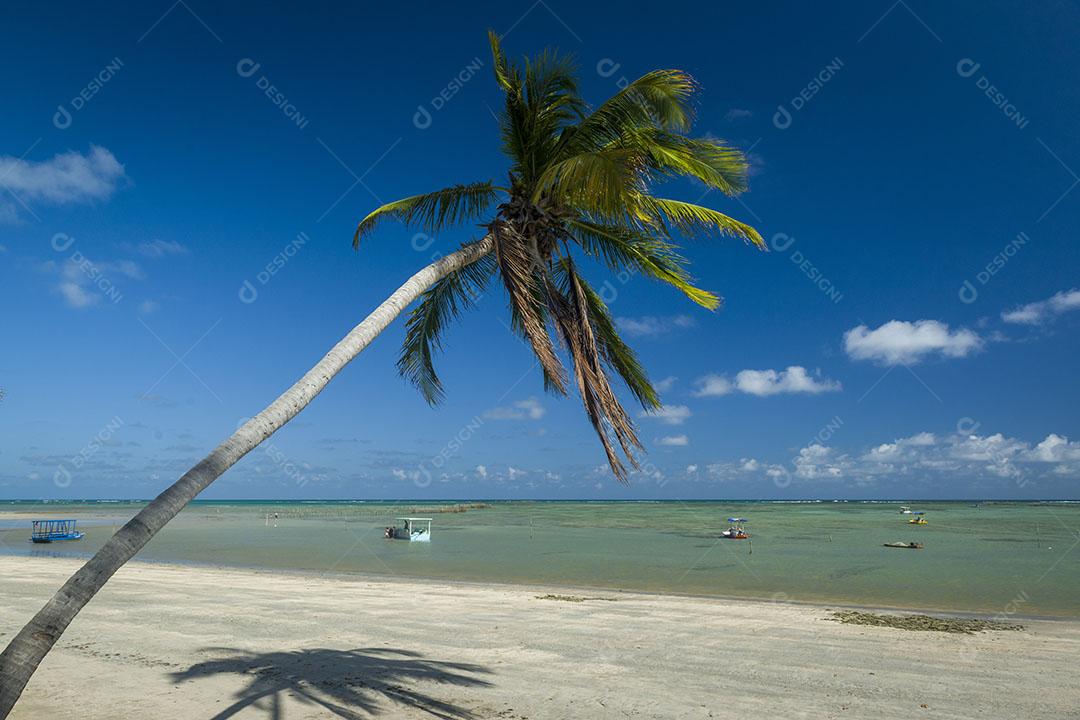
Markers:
{"x": 918, "y": 519}
{"x": 736, "y": 531}
{"x": 905, "y": 510}
{"x": 905, "y": 545}
{"x": 413, "y": 529}
{"x": 47, "y": 531}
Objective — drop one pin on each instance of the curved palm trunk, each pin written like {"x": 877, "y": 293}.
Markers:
{"x": 25, "y": 652}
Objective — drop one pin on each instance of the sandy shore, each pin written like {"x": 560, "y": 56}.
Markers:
{"x": 171, "y": 641}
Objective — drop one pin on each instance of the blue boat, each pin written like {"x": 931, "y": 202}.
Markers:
{"x": 47, "y": 531}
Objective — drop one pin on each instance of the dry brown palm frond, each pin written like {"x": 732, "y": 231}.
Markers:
{"x": 518, "y": 267}
{"x": 602, "y": 407}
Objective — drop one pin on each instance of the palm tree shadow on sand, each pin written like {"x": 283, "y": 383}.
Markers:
{"x": 348, "y": 683}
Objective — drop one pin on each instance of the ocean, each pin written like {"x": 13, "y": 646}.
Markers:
{"x": 998, "y": 558}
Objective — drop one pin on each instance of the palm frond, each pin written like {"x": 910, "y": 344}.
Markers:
{"x": 603, "y": 181}
{"x": 711, "y": 161}
{"x": 696, "y": 221}
{"x": 623, "y": 248}
{"x": 616, "y": 353}
{"x": 434, "y": 211}
{"x": 440, "y": 304}
{"x": 659, "y": 99}
{"x": 570, "y": 313}
{"x": 505, "y": 74}
{"x": 521, "y": 274}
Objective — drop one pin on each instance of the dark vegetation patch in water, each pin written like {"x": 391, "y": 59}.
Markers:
{"x": 966, "y": 626}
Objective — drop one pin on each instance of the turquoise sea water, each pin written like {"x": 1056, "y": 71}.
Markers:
{"x": 992, "y": 558}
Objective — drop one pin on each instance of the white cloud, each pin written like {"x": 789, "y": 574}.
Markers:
{"x": 70, "y": 177}
{"x": 148, "y": 307}
{"x": 899, "y": 342}
{"x": 1037, "y": 313}
{"x": 674, "y": 441}
{"x": 76, "y": 296}
{"x": 481, "y": 471}
{"x": 84, "y": 283}
{"x": 714, "y": 385}
{"x": 668, "y": 414}
{"x": 651, "y": 325}
{"x": 160, "y": 248}
{"x": 735, "y": 114}
{"x": 666, "y": 384}
{"x": 528, "y": 409}
{"x": 1054, "y": 449}
{"x": 918, "y": 462}
{"x": 795, "y": 379}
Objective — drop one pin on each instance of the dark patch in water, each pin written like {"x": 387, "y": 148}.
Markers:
{"x": 851, "y": 572}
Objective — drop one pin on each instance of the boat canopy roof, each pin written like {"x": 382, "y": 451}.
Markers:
{"x": 736, "y": 519}
{"x": 413, "y": 519}
{"x": 918, "y": 512}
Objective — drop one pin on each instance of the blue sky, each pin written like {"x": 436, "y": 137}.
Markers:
{"x": 175, "y": 250}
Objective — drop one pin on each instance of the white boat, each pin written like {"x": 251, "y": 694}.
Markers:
{"x": 413, "y": 529}
{"x": 905, "y": 510}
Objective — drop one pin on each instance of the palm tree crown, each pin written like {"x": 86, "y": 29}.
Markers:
{"x": 579, "y": 179}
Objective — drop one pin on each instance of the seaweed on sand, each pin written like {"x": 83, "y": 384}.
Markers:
{"x": 967, "y": 626}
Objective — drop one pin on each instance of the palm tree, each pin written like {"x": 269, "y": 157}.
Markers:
{"x": 580, "y": 182}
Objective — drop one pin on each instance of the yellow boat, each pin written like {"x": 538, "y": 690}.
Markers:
{"x": 918, "y": 519}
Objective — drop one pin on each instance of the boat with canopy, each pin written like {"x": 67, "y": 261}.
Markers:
{"x": 413, "y": 529}
{"x": 47, "y": 531}
{"x": 736, "y": 531}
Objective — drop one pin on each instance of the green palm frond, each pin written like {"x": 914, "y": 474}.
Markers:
{"x": 434, "y": 211}
{"x": 623, "y": 248}
{"x": 440, "y": 304}
{"x": 695, "y": 221}
{"x": 659, "y": 99}
{"x": 506, "y": 75}
{"x": 601, "y": 181}
{"x": 710, "y": 161}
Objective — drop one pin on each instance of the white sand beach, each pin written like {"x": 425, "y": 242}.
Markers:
{"x": 184, "y": 642}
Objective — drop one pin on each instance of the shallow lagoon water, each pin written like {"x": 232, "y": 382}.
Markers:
{"x": 992, "y": 558}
